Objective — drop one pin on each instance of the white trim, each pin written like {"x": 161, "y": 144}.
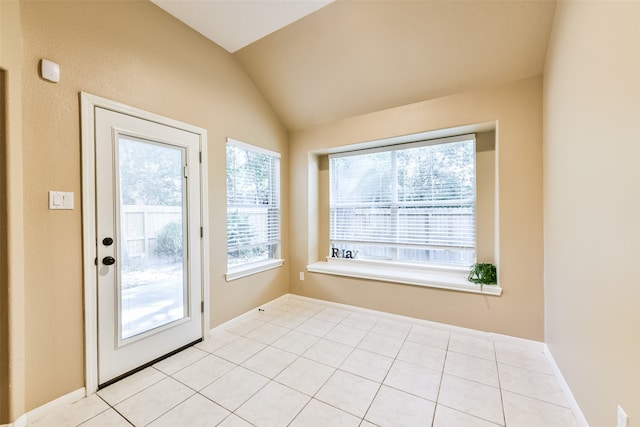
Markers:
{"x": 88, "y": 103}
{"x": 254, "y": 148}
{"x": 401, "y": 139}
{"x": 571, "y": 400}
{"x": 20, "y": 422}
{"x": 275, "y": 190}
{"x": 505, "y": 339}
{"x": 403, "y": 274}
{"x": 78, "y": 394}
{"x": 462, "y": 198}
{"x": 204, "y": 218}
{"x": 390, "y": 145}
{"x": 48, "y": 408}
{"x": 245, "y": 270}
{"x": 87, "y": 115}
{"x": 232, "y": 322}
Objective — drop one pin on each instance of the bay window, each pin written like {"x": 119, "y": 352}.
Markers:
{"x": 411, "y": 203}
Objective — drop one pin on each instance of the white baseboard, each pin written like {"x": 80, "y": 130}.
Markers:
{"x": 505, "y": 339}
{"x": 230, "y": 323}
{"x": 48, "y": 408}
{"x": 573, "y": 404}
{"x": 21, "y": 422}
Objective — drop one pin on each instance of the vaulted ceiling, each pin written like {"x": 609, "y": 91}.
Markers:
{"x": 352, "y": 57}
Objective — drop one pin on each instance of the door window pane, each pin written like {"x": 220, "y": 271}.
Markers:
{"x": 152, "y": 252}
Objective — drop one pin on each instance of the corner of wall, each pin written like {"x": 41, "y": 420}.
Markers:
{"x": 568, "y": 394}
{"x": 4, "y": 250}
{"x": 12, "y": 396}
{"x": 590, "y": 312}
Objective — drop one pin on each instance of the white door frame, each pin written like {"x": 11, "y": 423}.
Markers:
{"x": 88, "y": 104}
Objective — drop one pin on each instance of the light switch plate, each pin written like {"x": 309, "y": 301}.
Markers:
{"x": 60, "y": 200}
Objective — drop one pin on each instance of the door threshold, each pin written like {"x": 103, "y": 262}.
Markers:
{"x": 146, "y": 365}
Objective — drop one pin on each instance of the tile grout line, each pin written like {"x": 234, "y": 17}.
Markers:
{"x": 386, "y": 374}
{"x": 499, "y": 388}
{"x": 109, "y": 407}
{"x": 298, "y": 356}
{"x": 444, "y": 364}
{"x": 325, "y": 382}
{"x": 304, "y": 311}
{"x": 504, "y": 415}
{"x": 362, "y": 419}
{"x": 335, "y": 369}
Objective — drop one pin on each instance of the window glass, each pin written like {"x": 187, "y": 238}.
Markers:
{"x": 253, "y": 204}
{"x": 413, "y": 203}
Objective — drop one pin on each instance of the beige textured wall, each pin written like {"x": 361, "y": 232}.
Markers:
{"x": 12, "y": 367}
{"x": 592, "y": 205}
{"x": 517, "y": 109}
{"x": 131, "y": 52}
{"x": 486, "y": 197}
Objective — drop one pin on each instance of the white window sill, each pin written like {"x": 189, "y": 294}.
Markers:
{"x": 245, "y": 270}
{"x": 452, "y": 279}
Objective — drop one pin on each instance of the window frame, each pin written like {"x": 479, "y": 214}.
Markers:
{"x": 397, "y": 209}
{"x": 398, "y": 273}
{"x": 245, "y": 269}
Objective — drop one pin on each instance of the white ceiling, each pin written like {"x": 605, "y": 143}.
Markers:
{"x": 320, "y": 61}
{"x": 234, "y": 24}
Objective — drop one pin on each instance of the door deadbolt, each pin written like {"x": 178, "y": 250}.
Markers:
{"x": 108, "y": 260}
{"x": 107, "y": 241}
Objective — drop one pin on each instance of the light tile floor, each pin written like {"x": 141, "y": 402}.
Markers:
{"x": 301, "y": 363}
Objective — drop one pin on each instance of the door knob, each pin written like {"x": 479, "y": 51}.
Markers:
{"x": 108, "y": 260}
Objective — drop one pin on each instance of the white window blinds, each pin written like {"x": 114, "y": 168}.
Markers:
{"x": 410, "y": 203}
{"x": 253, "y": 203}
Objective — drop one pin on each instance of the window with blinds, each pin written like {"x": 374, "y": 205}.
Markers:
{"x": 410, "y": 203}
{"x": 253, "y": 204}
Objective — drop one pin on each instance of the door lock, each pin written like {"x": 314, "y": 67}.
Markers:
{"x": 108, "y": 260}
{"x": 107, "y": 241}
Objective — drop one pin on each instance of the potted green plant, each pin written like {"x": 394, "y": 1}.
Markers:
{"x": 483, "y": 274}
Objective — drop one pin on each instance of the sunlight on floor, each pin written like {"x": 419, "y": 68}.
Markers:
{"x": 302, "y": 362}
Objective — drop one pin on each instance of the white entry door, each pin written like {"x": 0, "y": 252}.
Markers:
{"x": 148, "y": 236}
